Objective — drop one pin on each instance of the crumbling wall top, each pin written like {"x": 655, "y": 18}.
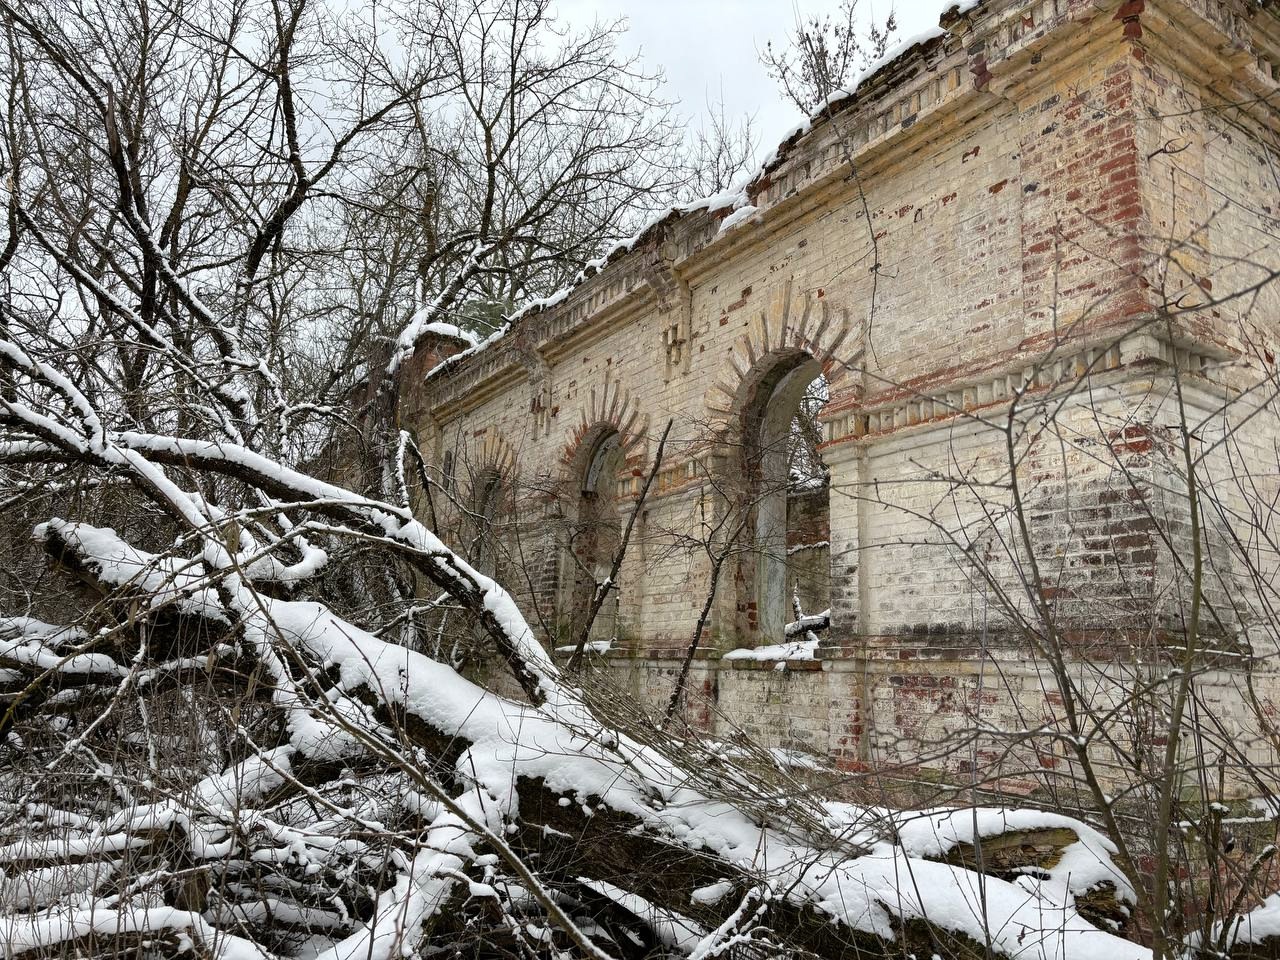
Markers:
{"x": 980, "y": 49}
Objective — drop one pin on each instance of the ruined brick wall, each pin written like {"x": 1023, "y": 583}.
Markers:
{"x": 1050, "y": 206}
{"x": 1213, "y": 193}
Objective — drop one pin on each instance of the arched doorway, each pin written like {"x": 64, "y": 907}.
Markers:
{"x": 785, "y": 493}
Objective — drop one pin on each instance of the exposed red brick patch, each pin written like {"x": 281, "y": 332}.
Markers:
{"x": 1129, "y": 15}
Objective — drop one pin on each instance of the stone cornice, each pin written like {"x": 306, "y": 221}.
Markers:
{"x": 1001, "y": 48}
{"x": 1031, "y": 370}
{"x": 1233, "y": 55}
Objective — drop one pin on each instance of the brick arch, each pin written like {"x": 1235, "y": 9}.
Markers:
{"x": 793, "y": 322}
{"x": 493, "y": 452}
{"x": 609, "y": 407}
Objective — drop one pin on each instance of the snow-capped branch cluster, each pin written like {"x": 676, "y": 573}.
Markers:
{"x": 483, "y": 803}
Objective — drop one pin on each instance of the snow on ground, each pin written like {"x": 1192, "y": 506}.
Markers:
{"x": 1253, "y": 927}
{"x": 560, "y": 743}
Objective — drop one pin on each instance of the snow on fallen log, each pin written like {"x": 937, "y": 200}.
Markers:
{"x": 1254, "y": 935}
{"x": 67, "y": 930}
{"x": 1063, "y": 858}
{"x": 75, "y": 848}
{"x": 36, "y": 645}
{"x": 41, "y": 887}
{"x": 493, "y": 607}
{"x": 35, "y": 655}
{"x": 815, "y": 621}
{"x": 420, "y": 890}
{"x": 591, "y": 803}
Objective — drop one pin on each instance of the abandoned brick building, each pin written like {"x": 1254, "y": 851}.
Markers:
{"x": 1026, "y": 247}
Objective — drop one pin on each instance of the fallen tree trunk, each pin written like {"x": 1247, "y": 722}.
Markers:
{"x": 584, "y": 803}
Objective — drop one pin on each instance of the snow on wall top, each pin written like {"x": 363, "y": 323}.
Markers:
{"x": 737, "y": 199}
{"x": 450, "y": 330}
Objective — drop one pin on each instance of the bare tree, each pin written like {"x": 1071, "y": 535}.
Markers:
{"x": 722, "y": 153}
{"x": 824, "y": 53}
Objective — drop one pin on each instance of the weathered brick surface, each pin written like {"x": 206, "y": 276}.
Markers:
{"x": 1050, "y": 205}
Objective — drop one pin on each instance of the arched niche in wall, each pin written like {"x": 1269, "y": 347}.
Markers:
{"x": 606, "y": 450}
{"x": 596, "y": 533}
{"x": 487, "y": 500}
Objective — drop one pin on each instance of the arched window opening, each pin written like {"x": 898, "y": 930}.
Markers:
{"x": 488, "y": 491}
{"x": 808, "y": 515}
{"x": 787, "y": 488}
{"x": 596, "y": 536}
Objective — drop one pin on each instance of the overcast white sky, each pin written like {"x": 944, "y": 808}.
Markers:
{"x": 706, "y": 47}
